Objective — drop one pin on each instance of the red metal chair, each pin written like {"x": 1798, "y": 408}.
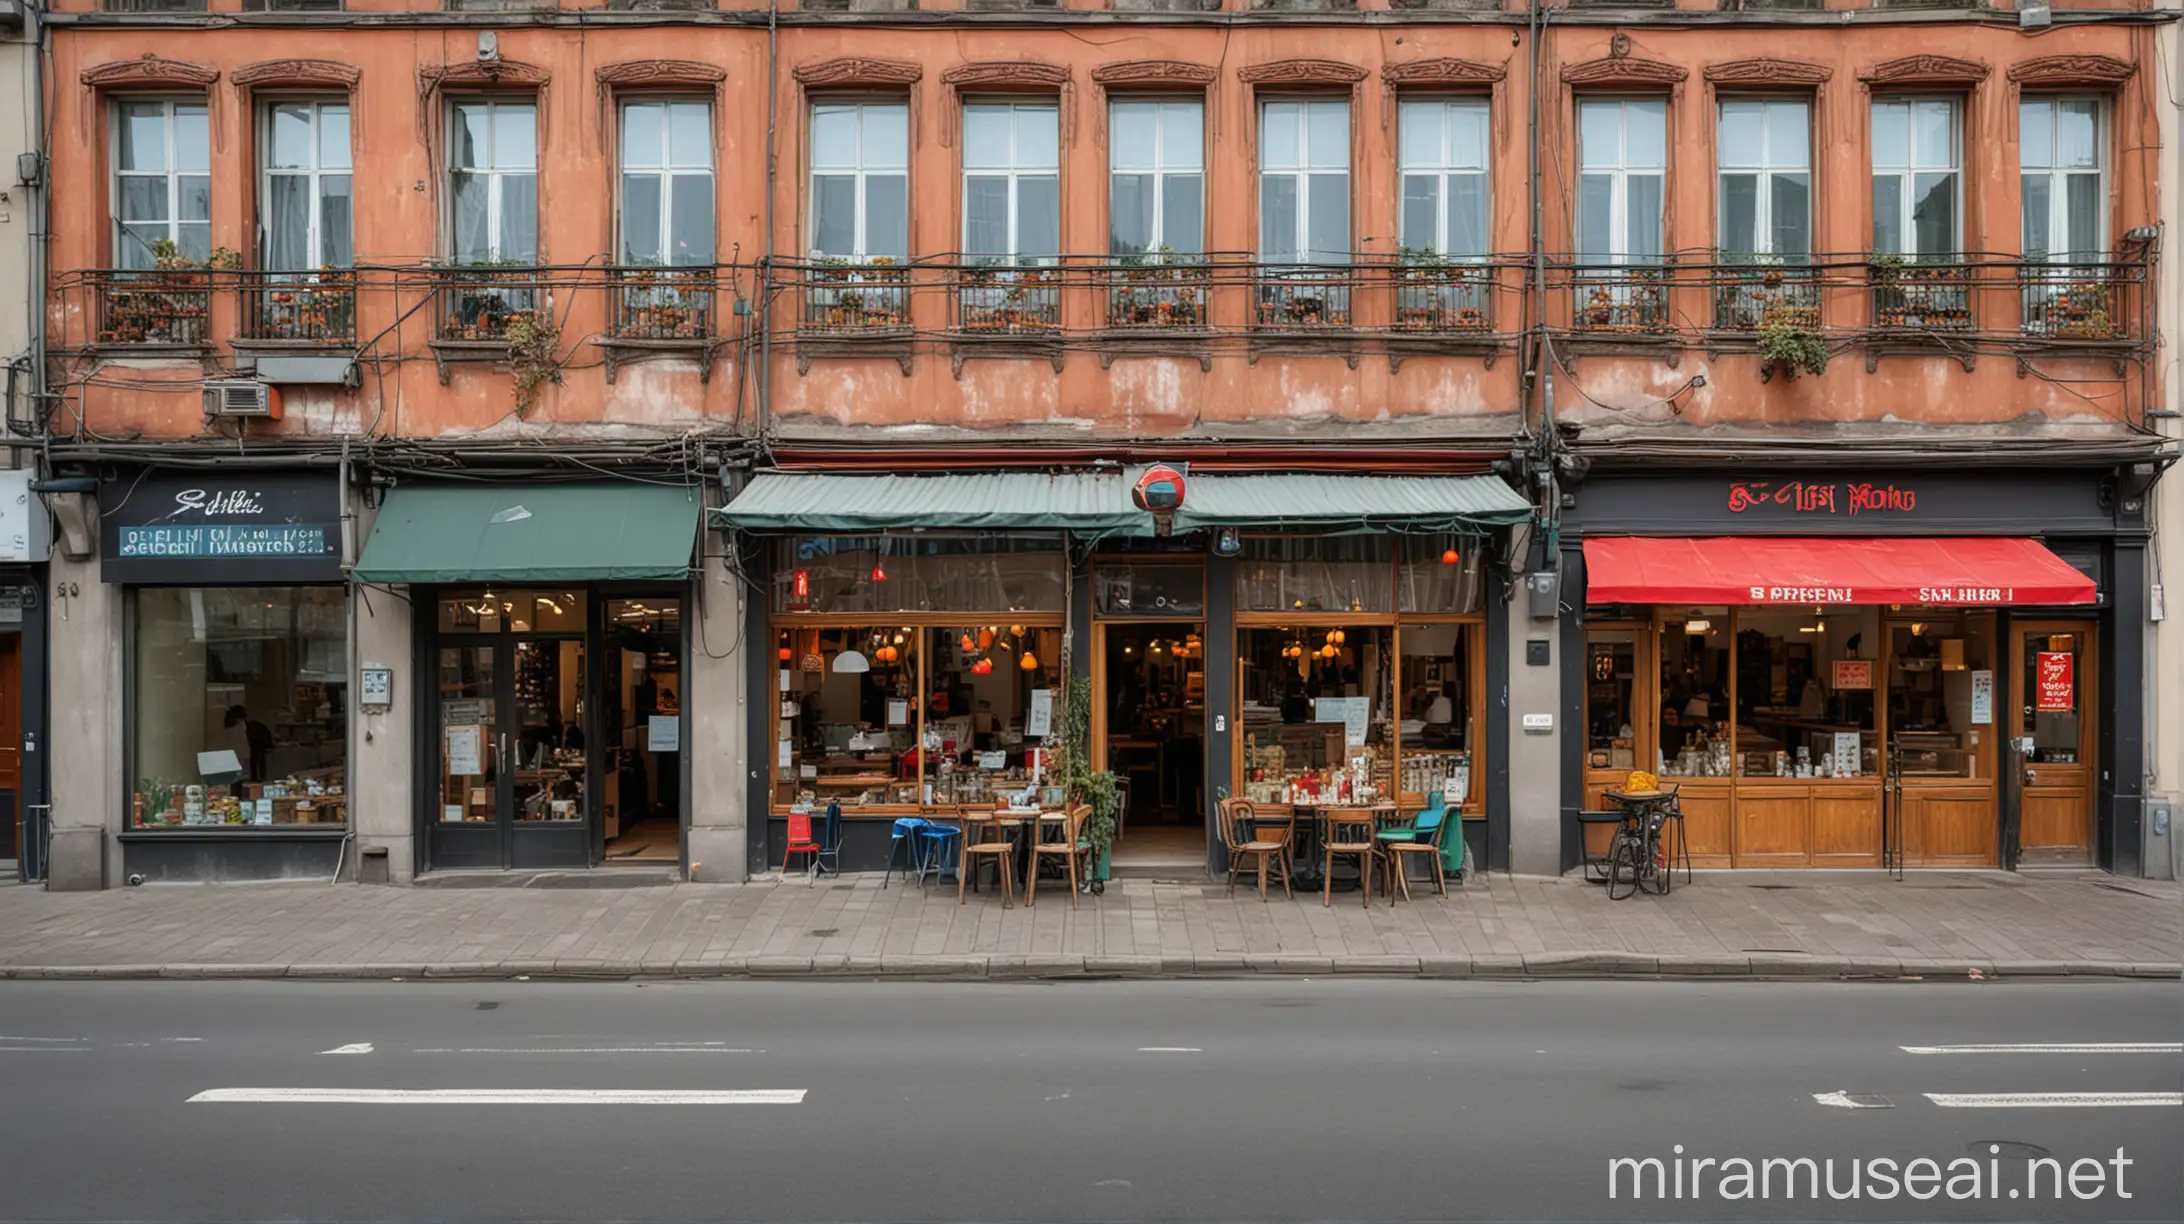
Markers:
{"x": 802, "y": 842}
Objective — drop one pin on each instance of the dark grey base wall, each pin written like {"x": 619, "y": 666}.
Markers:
{"x": 216, "y": 856}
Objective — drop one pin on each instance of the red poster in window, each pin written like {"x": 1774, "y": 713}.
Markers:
{"x": 1853, "y": 674}
{"x": 2055, "y": 682}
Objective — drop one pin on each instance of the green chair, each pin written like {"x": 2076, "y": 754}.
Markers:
{"x": 1409, "y": 832}
{"x": 1427, "y": 836}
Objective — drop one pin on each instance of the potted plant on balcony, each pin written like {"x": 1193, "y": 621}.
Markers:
{"x": 2080, "y": 312}
{"x": 1788, "y": 346}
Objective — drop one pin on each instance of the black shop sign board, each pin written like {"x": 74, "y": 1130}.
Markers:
{"x": 1835, "y": 502}
{"x": 219, "y": 529}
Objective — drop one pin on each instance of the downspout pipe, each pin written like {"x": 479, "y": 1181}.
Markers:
{"x": 765, "y": 283}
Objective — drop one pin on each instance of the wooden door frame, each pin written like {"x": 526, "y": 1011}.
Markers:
{"x": 2089, "y": 673}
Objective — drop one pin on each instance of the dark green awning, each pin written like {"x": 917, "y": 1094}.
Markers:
{"x": 607, "y": 531}
{"x": 1098, "y": 503}
{"x": 1338, "y": 503}
{"x": 1091, "y": 503}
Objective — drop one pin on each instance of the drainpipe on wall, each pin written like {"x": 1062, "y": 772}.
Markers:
{"x": 765, "y": 278}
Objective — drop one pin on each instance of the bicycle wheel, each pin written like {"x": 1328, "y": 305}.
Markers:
{"x": 1623, "y": 867}
{"x": 1663, "y": 879}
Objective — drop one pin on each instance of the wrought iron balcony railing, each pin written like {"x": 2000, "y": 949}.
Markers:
{"x": 161, "y": 306}
{"x": 653, "y": 303}
{"x": 306, "y": 307}
{"x": 853, "y": 297}
{"x": 1922, "y": 293}
{"x": 1303, "y": 297}
{"x": 478, "y": 302}
{"x": 1443, "y": 297}
{"x": 1163, "y": 293}
{"x": 1008, "y": 299}
{"x": 1752, "y": 294}
{"x": 2075, "y": 300}
{"x": 1621, "y": 299}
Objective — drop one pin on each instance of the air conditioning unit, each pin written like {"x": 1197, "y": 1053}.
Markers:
{"x": 241, "y": 397}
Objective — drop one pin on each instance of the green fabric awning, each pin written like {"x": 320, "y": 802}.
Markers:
{"x": 1092, "y": 503}
{"x": 608, "y": 531}
{"x": 1098, "y": 503}
{"x": 1335, "y": 503}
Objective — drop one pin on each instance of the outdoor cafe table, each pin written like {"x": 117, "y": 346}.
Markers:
{"x": 1641, "y": 806}
{"x": 1045, "y": 824}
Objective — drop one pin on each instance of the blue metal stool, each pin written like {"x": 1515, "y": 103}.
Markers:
{"x": 934, "y": 840}
{"x": 909, "y": 830}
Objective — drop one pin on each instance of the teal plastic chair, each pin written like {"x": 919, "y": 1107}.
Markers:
{"x": 1427, "y": 836}
{"x": 1409, "y": 833}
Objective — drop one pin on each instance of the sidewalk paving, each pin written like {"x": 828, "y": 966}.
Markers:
{"x": 1930, "y": 925}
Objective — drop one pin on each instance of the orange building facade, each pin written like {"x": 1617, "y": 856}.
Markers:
{"x": 1506, "y": 285}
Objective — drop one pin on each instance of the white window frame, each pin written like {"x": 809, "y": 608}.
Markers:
{"x": 1445, "y": 169}
{"x": 172, "y": 173}
{"x": 1164, "y": 105}
{"x": 2059, "y": 176}
{"x": 1014, "y": 172}
{"x": 1620, "y": 174}
{"x": 860, "y": 170}
{"x": 1907, "y": 174}
{"x": 1765, "y": 170}
{"x": 667, "y": 170}
{"x": 493, "y": 173}
{"x": 1303, "y": 171}
{"x": 314, "y": 225}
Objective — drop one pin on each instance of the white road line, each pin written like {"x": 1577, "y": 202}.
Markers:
{"x": 1170, "y": 1050}
{"x": 2052, "y": 1100}
{"x": 4, "y": 1037}
{"x": 499, "y": 1096}
{"x": 44, "y": 1049}
{"x": 704, "y": 1049}
{"x": 2055, "y": 1047}
{"x": 1847, "y": 1100}
{"x": 354, "y": 1047}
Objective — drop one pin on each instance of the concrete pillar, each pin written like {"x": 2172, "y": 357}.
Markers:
{"x": 1535, "y": 757}
{"x": 720, "y": 708}
{"x": 89, "y": 802}
{"x": 382, "y": 777}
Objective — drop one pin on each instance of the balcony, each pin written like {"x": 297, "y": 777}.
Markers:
{"x": 303, "y": 308}
{"x": 854, "y": 298}
{"x": 1007, "y": 300}
{"x": 1302, "y": 297}
{"x": 1752, "y": 295}
{"x": 2075, "y": 301}
{"x": 1620, "y": 300}
{"x": 1158, "y": 293}
{"x": 1922, "y": 293}
{"x": 478, "y": 304}
{"x": 153, "y": 6}
{"x": 164, "y": 307}
{"x": 1440, "y": 297}
{"x": 661, "y": 304}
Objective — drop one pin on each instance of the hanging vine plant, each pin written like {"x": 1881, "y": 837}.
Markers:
{"x": 532, "y": 343}
{"x": 1791, "y": 349}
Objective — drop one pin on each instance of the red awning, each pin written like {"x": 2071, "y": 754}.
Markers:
{"x": 1972, "y": 572}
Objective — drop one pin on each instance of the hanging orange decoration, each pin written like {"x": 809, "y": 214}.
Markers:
{"x": 985, "y": 638}
{"x": 966, "y": 644}
{"x": 1030, "y": 662}
{"x": 878, "y": 574}
{"x": 1450, "y": 557}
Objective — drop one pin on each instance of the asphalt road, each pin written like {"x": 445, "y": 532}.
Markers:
{"x": 1278, "y": 1100}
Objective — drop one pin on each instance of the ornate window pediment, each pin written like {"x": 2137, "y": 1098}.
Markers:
{"x": 2072, "y": 70}
{"x": 277, "y": 73}
{"x": 1623, "y": 70}
{"x": 1301, "y": 72}
{"x": 850, "y": 72}
{"x": 1443, "y": 72}
{"x": 1765, "y": 71}
{"x": 1926, "y": 70}
{"x": 153, "y": 70}
{"x": 1154, "y": 72}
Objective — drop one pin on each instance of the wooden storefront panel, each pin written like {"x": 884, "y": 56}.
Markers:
{"x": 1706, "y": 819}
{"x": 1846, "y": 826}
{"x": 1949, "y": 827}
{"x": 1773, "y": 827}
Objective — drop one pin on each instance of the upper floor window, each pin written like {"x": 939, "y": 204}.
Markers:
{"x": 1765, "y": 155}
{"x": 1012, "y": 208}
{"x": 1156, "y": 184}
{"x": 1443, "y": 156}
{"x": 493, "y": 181}
{"x": 1304, "y": 181}
{"x": 667, "y": 183}
{"x": 162, "y": 181}
{"x": 1917, "y": 177}
{"x": 860, "y": 180}
{"x": 2061, "y": 177}
{"x": 1622, "y": 174}
{"x": 306, "y": 187}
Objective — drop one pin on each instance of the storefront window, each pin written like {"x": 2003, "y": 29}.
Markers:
{"x": 1316, "y": 574}
{"x": 240, "y": 707}
{"x": 1317, "y": 705}
{"x": 1441, "y": 573}
{"x": 470, "y": 724}
{"x": 1165, "y": 589}
{"x": 513, "y": 611}
{"x": 1611, "y": 684}
{"x": 2050, "y": 677}
{"x": 918, "y": 572}
{"x": 1438, "y": 742}
{"x": 1805, "y": 688}
{"x": 848, "y": 722}
{"x": 1941, "y": 693}
{"x": 990, "y": 709}
{"x": 1694, "y": 710}
{"x": 549, "y": 732}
